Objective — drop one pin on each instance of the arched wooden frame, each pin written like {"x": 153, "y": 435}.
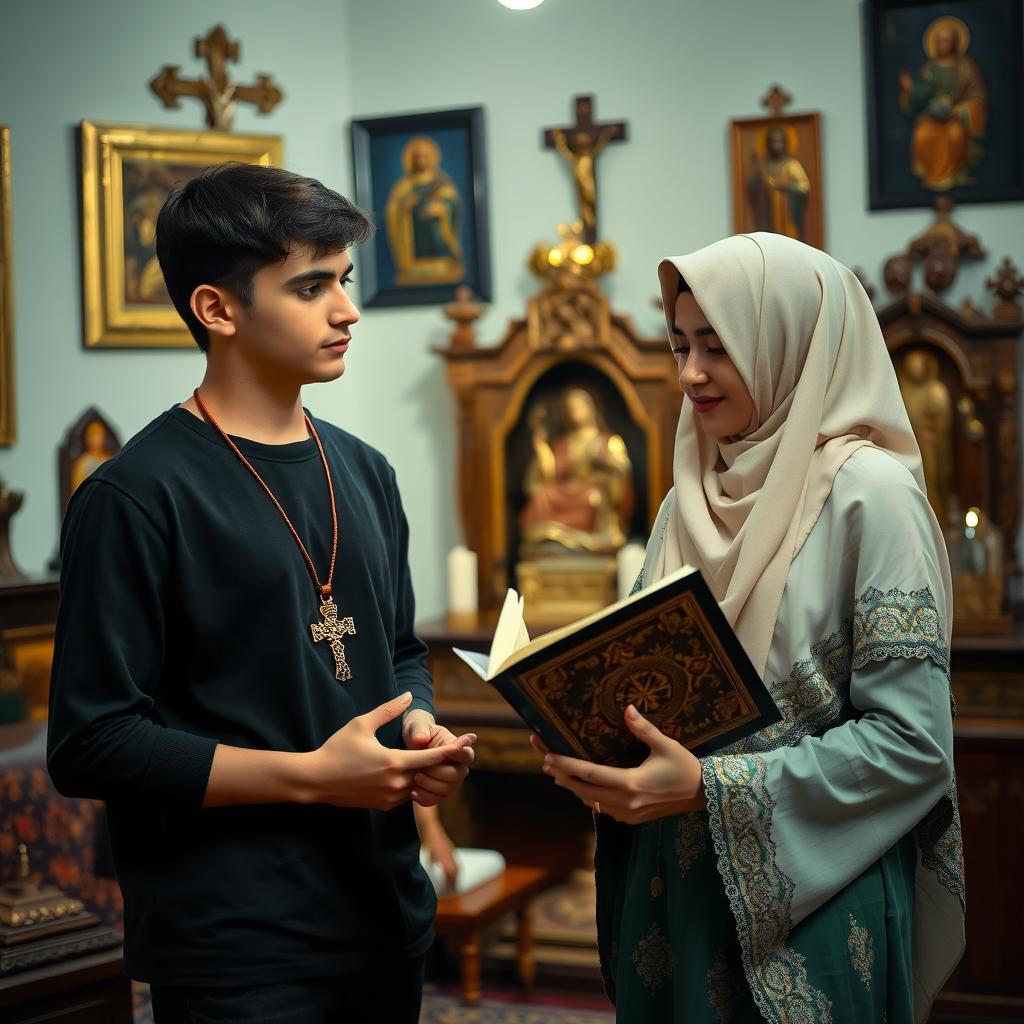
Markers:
{"x": 491, "y": 385}
{"x": 74, "y": 444}
{"x": 984, "y": 352}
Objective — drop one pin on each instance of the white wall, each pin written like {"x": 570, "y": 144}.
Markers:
{"x": 676, "y": 70}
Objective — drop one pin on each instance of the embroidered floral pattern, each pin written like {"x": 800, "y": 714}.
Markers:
{"x": 813, "y": 697}
{"x": 652, "y": 959}
{"x": 788, "y": 997}
{"x": 942, "y": 846}
{"x": 862, "y": 951}
{"x": 898, "y": 625}
{"x": 723, "y": 988}
{"x": 901, "y": 625}
{"x": 691, "y": 839}
{"x": 815, "y": 694}
{"x": 759, "y": 892}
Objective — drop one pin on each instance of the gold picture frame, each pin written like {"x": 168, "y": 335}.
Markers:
{"x": 778, "y": 191}
{"x": 8, "y": 430}
{"x": 127, "y": 172}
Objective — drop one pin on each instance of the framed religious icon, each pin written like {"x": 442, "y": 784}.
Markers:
{"x": 776, "y": 176}
{"x": 422, "y": 176}
{"x": 89, "y": 443}
{"x": 7, "y": 424}
{"x": 127, "y": 173}
{"x": 945, "y": 101}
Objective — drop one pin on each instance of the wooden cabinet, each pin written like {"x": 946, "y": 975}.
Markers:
{"x": 86, "y": 990}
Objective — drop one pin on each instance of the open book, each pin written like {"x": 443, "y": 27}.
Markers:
{"x": 668, "y": 650}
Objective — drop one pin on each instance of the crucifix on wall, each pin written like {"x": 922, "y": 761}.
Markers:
{"x": 581, "y": 144}
{"x": 217, "y": 91}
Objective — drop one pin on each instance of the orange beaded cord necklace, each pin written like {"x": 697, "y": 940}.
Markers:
{"x": 332, "y": 628}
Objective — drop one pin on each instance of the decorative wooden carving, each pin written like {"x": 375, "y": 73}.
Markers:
{"x": 939, "y": 250}
{"x": 10, "y": 504}
{"x": 977, "y": 359}
{"x": 1007, "y": 284}
{"x": 219, "y": 94}
{"x": 463, "y": 312}
{"x": 775, "y": 100}
{"x": 568, "y": 321}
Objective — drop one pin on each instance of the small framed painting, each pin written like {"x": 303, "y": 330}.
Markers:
{"x": 422, "y": 177}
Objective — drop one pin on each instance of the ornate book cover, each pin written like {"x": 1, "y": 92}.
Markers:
{"x": 668, "y": 650}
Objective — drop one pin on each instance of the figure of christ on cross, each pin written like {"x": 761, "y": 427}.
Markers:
{"x": 333, "y": 629}
{"x": 581, "y": 144}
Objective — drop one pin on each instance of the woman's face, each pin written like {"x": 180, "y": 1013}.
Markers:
{"x": 722, "y": 405}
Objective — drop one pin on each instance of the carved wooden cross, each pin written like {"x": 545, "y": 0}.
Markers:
{"x": 581, "y": 144}
{"x": 217, "y": 91}
{"x": 775, "y": 100}
{"x": 332, "y": 629}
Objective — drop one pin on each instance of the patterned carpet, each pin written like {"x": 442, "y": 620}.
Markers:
{"x": 444, "y": 1008}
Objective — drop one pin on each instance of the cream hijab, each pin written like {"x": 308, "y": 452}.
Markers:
{"x": 804, "y": 337}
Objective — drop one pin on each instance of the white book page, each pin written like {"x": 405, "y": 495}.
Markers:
{"x": 510, "y": 634}
{"x": 475, "y": 660}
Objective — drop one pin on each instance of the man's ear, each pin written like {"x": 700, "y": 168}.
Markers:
{"x": 216, "y": 309}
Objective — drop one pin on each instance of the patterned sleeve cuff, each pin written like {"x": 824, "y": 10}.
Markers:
{"x": 896, "y": 624}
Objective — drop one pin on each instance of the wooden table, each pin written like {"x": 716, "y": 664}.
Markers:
{"x": 463, "y": 917}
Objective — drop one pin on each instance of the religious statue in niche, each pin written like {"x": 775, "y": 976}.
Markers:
{"x": 423, "y": 216}
{"x": 931, "y": 415}
{"x": 94, "y": 454}
{"x": 87, "y": 445}
{"x": 948, "y": 102}
{"x": 778, "y": 185}
{"x": 579, "y": 485}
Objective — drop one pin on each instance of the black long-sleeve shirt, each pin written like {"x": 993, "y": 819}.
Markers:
{"x": 184, "y": 622}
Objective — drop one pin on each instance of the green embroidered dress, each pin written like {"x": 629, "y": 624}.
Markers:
{"x": 824, "y": 883}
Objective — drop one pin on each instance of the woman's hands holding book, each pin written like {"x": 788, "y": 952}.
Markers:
{"x": 668, "y": 782}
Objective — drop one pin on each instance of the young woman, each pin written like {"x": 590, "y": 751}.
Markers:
{"x": 812, "y": 872}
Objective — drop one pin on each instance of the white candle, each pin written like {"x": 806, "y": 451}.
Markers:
{"x": 462, "y": 594}
{"x": 630, "y": 561}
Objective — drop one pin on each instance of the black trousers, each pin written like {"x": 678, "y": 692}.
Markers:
{"x": 390, "y": 994}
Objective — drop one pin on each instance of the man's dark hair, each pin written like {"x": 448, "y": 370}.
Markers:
{"x": 235, "y": 218}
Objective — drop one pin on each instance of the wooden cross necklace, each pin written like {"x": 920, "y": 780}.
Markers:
{"x": 332, "y": 629}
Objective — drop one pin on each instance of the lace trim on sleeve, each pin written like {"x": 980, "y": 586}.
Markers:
{"x": 896, "y": 624}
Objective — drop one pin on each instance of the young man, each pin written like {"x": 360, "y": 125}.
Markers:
{"x": 236, "y": 672}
